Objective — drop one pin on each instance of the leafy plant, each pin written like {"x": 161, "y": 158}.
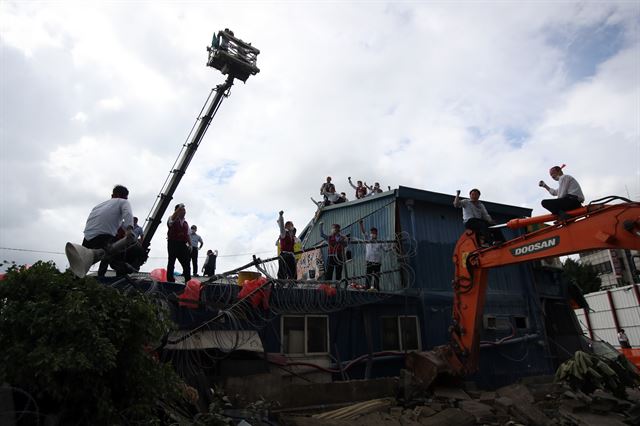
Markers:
{"x": 78, "y": 347}
{"x": 583, "y": 275}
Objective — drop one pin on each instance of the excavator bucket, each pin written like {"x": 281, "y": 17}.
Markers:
{"x": 427, "y": 366}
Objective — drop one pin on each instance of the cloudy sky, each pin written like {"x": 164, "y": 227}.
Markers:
{"x": 432, "y": 95}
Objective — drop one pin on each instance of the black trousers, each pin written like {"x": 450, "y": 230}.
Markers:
{"x": 557, "y": 205}
{"x": 100, "y": 242}
{"x": 180, "y": 251}
{"x": 287, "y": 266}
{"x": 373, "y": 274}
{"x": 334, "y": 262}
{"x": 210, "y": 266}
{"x": 194, "y": 260}
{"x": 481, "y": 227}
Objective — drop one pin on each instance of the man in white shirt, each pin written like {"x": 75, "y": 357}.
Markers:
{"x": 476, "y": 218}
{"x": 137, "y": 229}
{"x": 373, "y": 257}
{"x": 623, "y": 339}
{"x": 104, "y": 221}
{"x": 569, "y": 194}
{"x": 196, "y": 245}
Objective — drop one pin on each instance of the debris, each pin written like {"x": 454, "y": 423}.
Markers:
{"x": 482, "y": 412}
{"x": 352, "y": 411}
{"x": 450, "y": 416}
{"x": 588, "y": 372}
{"x": 450, "y": 393}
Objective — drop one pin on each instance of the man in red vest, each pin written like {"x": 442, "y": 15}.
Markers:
{"x": 287, "y": 260}
{"x": 178, "y": 243}
{"x": 337, "y": 244}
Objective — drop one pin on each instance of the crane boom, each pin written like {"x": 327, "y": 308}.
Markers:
{"x": 175, "y": 176}
{"x": 234, "y": 58}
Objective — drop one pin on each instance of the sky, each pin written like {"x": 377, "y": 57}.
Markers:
{"x": 438, "y": 96}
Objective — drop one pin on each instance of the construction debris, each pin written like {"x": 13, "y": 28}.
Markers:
{"x": 539, "y": 402}
{"x": 353, "y": 411}
{"x": 588, "y": 372}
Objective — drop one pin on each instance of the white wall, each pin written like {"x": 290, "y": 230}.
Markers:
{"x": 602, "y": 323}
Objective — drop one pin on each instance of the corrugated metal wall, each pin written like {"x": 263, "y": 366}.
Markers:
{"x": 376, "y": 211}
{"x": 602, "y": 315}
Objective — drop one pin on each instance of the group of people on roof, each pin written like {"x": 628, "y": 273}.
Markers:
{"x": 289, "y": 247}
{"x": 330, "y": 196}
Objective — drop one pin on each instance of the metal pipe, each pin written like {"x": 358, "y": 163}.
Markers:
{"x": 510, "y": 341}
{"x": 521, "y": 223}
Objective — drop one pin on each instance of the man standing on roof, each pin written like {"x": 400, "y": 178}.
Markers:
{"x": 178, "y": 243}
{"x": 476, "y": 218}
{"x": 569, "y": 194}
{"x": 286, "y": 260}
{"x": 327, "y": 188}
{"x": 196, "y": 245}
{"x": 209, "y": 267}
{"x": 375, "y": 189}
{"x": 373, "y": 257}
{"x": 336, "y": 250}
{"x": 361, "y": 190}
{"x": 104, "y": 221}
{"x": 137, "y": 229}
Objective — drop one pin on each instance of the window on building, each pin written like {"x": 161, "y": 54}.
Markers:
{"x": 521, "y": 322}
{"x": 603, "y": 268}
{"x": 390, "y": 337}
{"x": 317, "y": 334}
{"x": 400, "y": 333}
{"x": 492, "y": 322}
{"x": 308, "y": 334}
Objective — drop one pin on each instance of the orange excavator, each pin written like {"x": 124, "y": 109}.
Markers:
{"x": 596, "y": 226}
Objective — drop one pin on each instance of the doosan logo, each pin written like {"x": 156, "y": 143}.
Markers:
{"x": 536, "y": 247}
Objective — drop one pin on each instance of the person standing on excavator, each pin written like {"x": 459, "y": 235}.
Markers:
{"x": 569, "y": 194}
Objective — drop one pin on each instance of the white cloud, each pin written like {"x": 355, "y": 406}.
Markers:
{"x": 80, "y": 117}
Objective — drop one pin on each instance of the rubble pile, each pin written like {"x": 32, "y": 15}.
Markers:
{"x": 588, "y": 372}
{"x": 534, "y": 401}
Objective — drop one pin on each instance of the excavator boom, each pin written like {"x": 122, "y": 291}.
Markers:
{"x": 597, "y": 226}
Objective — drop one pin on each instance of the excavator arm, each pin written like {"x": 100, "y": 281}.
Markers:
{"x": 598, "y": 226}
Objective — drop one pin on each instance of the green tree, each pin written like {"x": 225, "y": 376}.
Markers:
{"x": 80, "y": 349}
{"x": 583, "y": 275}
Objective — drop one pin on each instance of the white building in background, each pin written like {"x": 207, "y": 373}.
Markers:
{"x": 609, "y": 311}
{"x": 616, "y": 267}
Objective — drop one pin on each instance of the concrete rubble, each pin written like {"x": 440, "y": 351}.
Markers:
{"x": 532, "y": 402}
